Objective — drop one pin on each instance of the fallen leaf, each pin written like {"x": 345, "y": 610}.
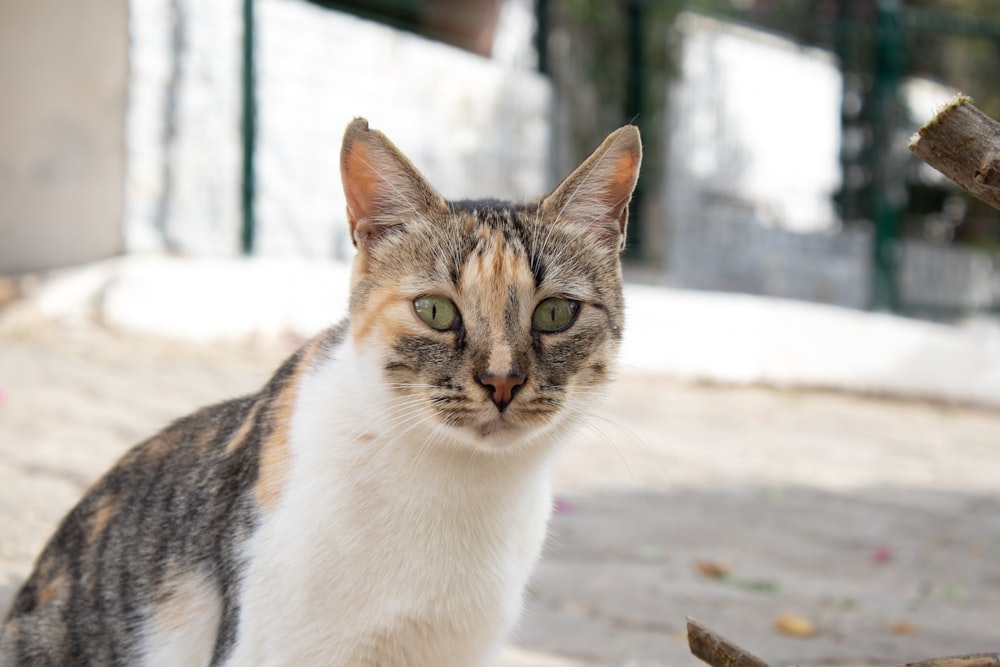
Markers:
{"x": 794, "y": 625}
{"x": 904, "y": 628}
{"x": 720, "y": 571}
{"x": 713, "y": 569}
{"x": 560, "y": 506}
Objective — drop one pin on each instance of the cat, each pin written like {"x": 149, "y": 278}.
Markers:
{"x": 384, "y": 498}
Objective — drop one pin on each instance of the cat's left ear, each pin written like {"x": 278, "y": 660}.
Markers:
{"x": 597, "y": 194}
{"x": 383, "y": 189}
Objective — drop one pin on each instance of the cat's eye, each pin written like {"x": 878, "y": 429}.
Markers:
{"x": 437, "y": 312}
{"x": 554, "y": 315}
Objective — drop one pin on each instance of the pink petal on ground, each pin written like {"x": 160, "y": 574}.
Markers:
{"x": 882, "y": 554}
{"x": 561, "y": 506}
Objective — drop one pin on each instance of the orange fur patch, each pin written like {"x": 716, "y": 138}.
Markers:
{"x": 240, "y": 436}
{"x": 373, "y": 313}
{"x": 54, "y": 588}
{"x": 387, "y": 316}
{"x": 103, "y": 514}
{"x": 500, "y": 269}
{"x": 172, "y": 610}
{"x": 155, "y": 449}
{"x": 275, "y": 457}
{"x": 489, "y": 278}
{"x": 275, "y": 454}
{"x": 188, "y": 595}
{"x": 106, "y": 507}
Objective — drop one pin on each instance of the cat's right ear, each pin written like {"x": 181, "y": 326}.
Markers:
{"x": 383, "y": 189}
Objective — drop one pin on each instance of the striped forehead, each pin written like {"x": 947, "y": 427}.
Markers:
{"x": 496, "y": 268}
{"x": 487, "y": 226}
{"x": 494, "y": 264}
{"x": 499, "y": 246}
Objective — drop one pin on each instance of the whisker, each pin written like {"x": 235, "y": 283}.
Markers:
{"x": 621, "y": 456}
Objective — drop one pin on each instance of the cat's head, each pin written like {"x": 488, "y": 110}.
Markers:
{"x": 496, "y": 321}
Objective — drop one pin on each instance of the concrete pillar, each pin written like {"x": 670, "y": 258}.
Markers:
{"x": 63, "y": 77}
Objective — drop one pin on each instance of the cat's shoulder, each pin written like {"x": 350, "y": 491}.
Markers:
{"x": 230, "y": 423}
{"x": 215, "y": 435}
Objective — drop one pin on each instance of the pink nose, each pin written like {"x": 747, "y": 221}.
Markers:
{"x": 504, "y": 387}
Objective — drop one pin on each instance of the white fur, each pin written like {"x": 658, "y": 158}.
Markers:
{"x": 393, "y": 543}
{"x": 184, "y": 627}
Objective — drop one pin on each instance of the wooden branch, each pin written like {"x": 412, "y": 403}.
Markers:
{"x": 963, "y": 143}
{"x": 716, "y": 651}
{"x": 712, "y": 649}
{"x": 974, "y": 660}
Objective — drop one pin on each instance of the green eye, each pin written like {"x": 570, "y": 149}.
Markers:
{"x": 554, "y": 315}
{"x": 437, "y": 312}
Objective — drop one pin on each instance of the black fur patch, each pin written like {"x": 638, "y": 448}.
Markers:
{"x": 180, "y": 502}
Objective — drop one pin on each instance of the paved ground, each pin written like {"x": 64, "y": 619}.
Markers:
{"x": 877, "y": 522}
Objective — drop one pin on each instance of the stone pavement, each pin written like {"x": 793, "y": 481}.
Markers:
{"x": 875, "y": 521}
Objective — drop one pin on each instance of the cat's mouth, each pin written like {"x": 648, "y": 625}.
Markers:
{"x": 500, "y": 423}
{"x": 510, "y": 426}
{"x": 495, "y": 427}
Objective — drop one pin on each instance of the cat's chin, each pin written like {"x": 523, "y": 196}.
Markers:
{"x": 500, "y": 428}
{"x": 504, "y": 433}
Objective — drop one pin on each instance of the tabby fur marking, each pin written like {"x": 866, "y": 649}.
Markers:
{"x": 383, "y": 499}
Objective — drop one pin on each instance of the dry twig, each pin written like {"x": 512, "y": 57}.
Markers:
{"x": 716, "y": 651}
{"x": 974, "y": 660}
{"x": 963, "y": 143}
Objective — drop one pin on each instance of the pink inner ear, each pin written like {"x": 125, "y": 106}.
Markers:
{"x": 360, "y": 182}
{"x": 622, "y": 182}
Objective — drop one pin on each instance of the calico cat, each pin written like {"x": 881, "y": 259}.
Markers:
{"x": 383, "y": 499}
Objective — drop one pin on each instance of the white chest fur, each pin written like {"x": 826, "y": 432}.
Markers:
{"x": 389, "y": 546}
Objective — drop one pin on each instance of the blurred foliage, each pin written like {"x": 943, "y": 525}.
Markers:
{"x": 956, "y": 42}
{"x": 953, "y": 41}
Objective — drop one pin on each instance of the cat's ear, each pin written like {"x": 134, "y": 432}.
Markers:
{"x": 597, "y": 194}
{"x": 383, "y": 189}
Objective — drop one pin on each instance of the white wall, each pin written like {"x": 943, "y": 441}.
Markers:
{"x": 752, "y": 165}
{"x": 754, "y": 119}
{"x": 183, "y": 127}
{"x": 62, "y": 104}
{"x": 754, "y": 139}
{"x": 475, "y": 126}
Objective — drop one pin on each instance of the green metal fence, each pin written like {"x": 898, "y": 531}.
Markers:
{"x": 878, "y": 45}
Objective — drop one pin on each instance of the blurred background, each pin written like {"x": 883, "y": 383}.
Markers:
{"x": 775, "y": 130}
{"x": 172, "y": 225}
